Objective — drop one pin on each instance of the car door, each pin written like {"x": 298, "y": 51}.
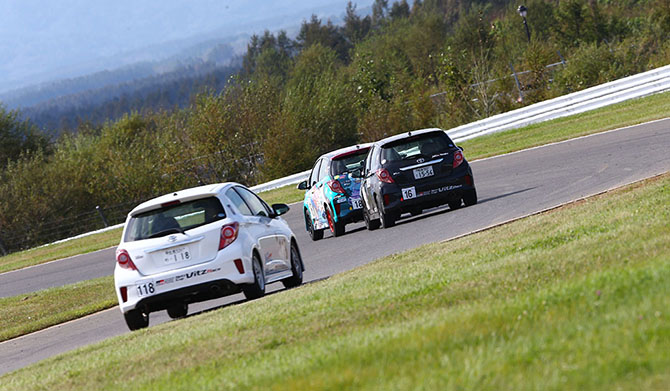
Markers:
{"x": 315, "y": 194}
{"x": 275, "y": 246}
{"x": 367, "y": 188}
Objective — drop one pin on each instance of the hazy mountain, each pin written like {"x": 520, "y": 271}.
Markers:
{"x": 42, "y": 41}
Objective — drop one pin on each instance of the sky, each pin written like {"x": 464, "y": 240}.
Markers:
{"x": 45, "y": 39}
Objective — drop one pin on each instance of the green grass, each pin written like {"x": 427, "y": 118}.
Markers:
{"x": 285, "y": 195}
{"x": 24, "y": 314}
{"x": 624, "y": 114}
{"x": 52, "y": 252}
{"x": 577, "y": 298}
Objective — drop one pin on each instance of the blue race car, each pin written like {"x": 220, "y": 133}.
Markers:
{"x": 333, "y": 189}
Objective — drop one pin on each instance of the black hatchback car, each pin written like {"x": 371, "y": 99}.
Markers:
{"x": 411, "y": 172}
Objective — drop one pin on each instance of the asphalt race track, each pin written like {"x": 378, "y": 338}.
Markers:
{"x": 509, "y": 187}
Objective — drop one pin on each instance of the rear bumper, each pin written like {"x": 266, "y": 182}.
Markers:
{"x": 428, "y": 194}
{"x": 216, "y": 278}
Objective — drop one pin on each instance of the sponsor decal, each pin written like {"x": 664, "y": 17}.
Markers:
{"x": 440, "y": 190}
{"x": 195, "y": 273}
{"x": 165, "y": 281}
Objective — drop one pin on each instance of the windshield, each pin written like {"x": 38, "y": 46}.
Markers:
{"x": 349, "y": 163}
{"x": 425, "y": 145}
{"x": 174, "y": 219}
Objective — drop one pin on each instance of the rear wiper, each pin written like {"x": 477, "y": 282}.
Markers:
{"x": 166, "y": 232}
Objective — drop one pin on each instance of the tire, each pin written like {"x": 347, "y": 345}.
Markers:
{"x": 178, "y": 310}
{"x": 470, "y": 197}
{"x": 296, "y": 268}
{"x": 336, "y": 227}
{"x": 314, "y": 234}
{"x": 256, "y": 289}
{"x": 455, "y": 204}
{"x": 136, "y": 319}
{"x": 370, "y": 224}
{"x": 387, "y": 220}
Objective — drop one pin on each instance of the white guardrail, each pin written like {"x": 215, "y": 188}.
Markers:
{"x": 636, "y": 86}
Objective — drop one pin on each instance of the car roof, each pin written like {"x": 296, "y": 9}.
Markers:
{"x": 408, "y": 134}
{"x": 182, "y": 195}
{"x": 345, "y": 150}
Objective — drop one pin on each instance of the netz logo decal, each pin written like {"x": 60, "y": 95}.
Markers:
{"x": 187, "y": 276}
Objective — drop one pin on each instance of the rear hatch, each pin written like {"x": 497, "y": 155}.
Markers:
{"x": 174, "y": 235}
{"x": 347, "y": 168}
{"x": 419, "y": 160}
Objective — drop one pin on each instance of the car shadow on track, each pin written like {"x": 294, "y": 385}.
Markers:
{"x": 444, "y": 209}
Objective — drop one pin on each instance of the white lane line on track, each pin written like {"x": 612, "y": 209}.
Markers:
{"x": 472, "y": 161}
{"x": 55, "y": 260}
{"x": 569, "y": 140}
{"x": 558, "y": 206}
{"x": 440, "y": 241}
{"x": 19, "y": 338}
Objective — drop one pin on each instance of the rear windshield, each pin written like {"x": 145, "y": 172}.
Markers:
{"x": 424, "y": 145}
{"x": 174, "y": 218}
{"x": 349, "y": 163}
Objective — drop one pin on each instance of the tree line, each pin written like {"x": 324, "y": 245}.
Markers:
{"x": 405, "y": 66}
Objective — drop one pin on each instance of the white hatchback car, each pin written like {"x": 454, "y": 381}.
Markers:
{"x": 199, "y": 244}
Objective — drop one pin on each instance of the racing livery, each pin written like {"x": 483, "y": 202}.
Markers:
{"x": 332, "y": 199}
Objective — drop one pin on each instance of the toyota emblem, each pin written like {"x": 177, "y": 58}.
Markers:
{"x": 172, "y": 238}
{"x": 420, "y": 160}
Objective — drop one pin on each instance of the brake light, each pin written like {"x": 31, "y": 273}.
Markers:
{"x": 384, "y": 175}
{"x": 228, "y": 234}
{"x": 458, "y": 159}
{"x": 336, "y": 186}
{"x": 123, "y": 259}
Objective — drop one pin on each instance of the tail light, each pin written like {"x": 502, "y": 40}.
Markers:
{"x": 228, "y": 234}
{"x": 384, "y": 175}
{"x": 124, "y": 261}
{"x": 336, "y": 186}
{"x": 458, "y": 159}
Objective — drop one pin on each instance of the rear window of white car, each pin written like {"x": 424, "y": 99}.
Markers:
{"x": 174, "y": 217}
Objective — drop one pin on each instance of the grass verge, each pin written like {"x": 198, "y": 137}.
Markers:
{"x": 620, "y": 115}
{"x": 39, "y": 255}
{"x": 27, "y": 313}
{"x": 576, "y": 298}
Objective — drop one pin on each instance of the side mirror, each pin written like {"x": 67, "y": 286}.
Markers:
{"x": 303, "y": 185}
{"x": 280, "y": 209}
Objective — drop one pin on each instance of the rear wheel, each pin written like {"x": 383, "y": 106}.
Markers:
{"x": 387, "y": 219}
{"x": 315, "y": 234}
{"x": 178, "y": 310}
{"x": 257, "y": 288}
{"x": 455, "y": 204}
{"x": 336, "y": 227}
{"x": 470, "y": 197}
{"x": 370, "y": 224}
{"x": 296, "y": 268}
{"x": 136, "y": 319}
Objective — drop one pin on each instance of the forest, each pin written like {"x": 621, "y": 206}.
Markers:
{"x": 431, "y": 63}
